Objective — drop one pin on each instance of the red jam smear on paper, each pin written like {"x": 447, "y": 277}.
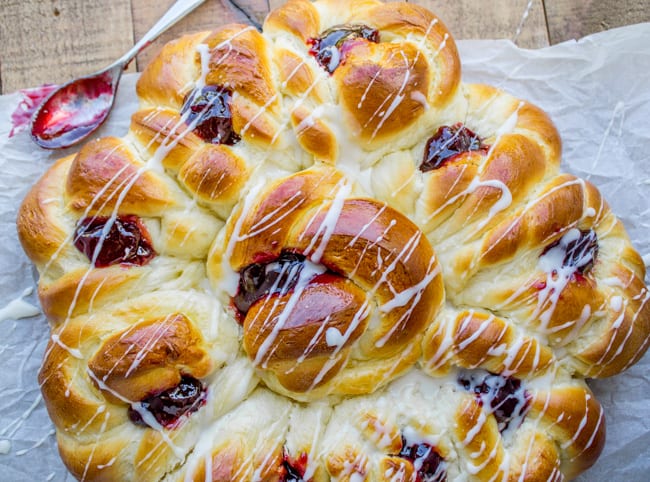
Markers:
{"x": 30, "y": 102}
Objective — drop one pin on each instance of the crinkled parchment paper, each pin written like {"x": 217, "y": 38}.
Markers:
{"x": 596, "y": 90}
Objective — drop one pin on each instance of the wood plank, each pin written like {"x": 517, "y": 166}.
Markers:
{"x": 206, "y": 17}
{"x": 568, "y": 19}
{"x": 56, "y": 41}
{"x": 522, "y": 21}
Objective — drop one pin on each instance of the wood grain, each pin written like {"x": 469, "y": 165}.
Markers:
{"x": 571, "y": 19}
{"x": 208, "y": 16}
{"x": 521, "y": 21}
{"x": 58, "y": 40}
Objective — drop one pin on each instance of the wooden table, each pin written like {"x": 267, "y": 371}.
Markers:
{"x": 43, "y": 41}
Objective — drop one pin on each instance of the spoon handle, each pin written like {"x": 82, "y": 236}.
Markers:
{"x": 173, "y": 15}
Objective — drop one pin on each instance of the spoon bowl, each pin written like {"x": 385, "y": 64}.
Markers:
{"x": 77, "y": 109}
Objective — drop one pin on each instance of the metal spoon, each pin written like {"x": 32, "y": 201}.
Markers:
{"x": 75, "y": 110}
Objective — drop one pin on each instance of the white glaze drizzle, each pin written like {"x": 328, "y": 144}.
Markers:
{"x": 524, "y": 17}
{"x": 18, "y": 308}
{"x": 326, "y": 228}
{"x": 36, "y": 444}
{"x": 5, "y": 447}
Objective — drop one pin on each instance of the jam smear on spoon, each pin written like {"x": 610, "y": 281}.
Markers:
{"x": 74, "y": 111}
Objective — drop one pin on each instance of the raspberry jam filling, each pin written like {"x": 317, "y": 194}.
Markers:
{"x": 293, "y": 470}
{"x": 277, "y": 276}
{"x": 169, "y": 406}
{"x": 447, "y": 143}
{"x": 329, "y": 48}
{"x": 503, "y": 396}
{"x": 124, "y": 240}
{"x": 261, "y": 279}
{"x": 577, "y": 250}
{"x": 427, "y": 462}
{"x": 209, "y": 111}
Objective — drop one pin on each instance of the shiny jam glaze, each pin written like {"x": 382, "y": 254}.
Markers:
{"x": 328, "y": 49}
{"x": 578, "y": 249}
{"x": 208, "y": 110}
{"x": 261, "y": 279}
{"x": 169, "y": 406}
{"x": 428, "y": 463}
{"x": 278, "y": 276}
{"x": 293, "y": 470}
{"x": 125, "y": 240}
{"x": 504, "y": 396}
{"x": 73, "y": 112}
{"x": 447, "y": 143}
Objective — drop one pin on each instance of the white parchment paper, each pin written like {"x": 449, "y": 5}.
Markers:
{"x": 596, "y": 90}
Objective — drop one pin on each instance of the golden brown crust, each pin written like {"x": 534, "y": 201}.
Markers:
{"x": 573, "y": 438}
{"x": 410, "y": 19}
{"x": 98, "y": 365}
{"x": 479, "y": 436}
{"x": 40, "y": 233}
{"x": 239, "y": 61}
{"x": 333, "y": 301}
{"x": 623, "y": 340}
{"x": 574, "y": 419}
{"x": 105, "y": 177}
{"x": 214, "y": 174}
{"x": 399, "y": 76}
{"x": 472, "y": 339}
{"x": 367, "y": 230}
{"x": 90, "y": 462}
{"x": 558, "y": 205}
{"x": 155, "y": 128}
{"x": 150, "y": 356}
{"x": 66, "y": 297}
{"x": 531, "y": 120}
{"x": 297, "y": 16}
{"x": 164, "y": 82}
{"x": 314, "y": 136}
